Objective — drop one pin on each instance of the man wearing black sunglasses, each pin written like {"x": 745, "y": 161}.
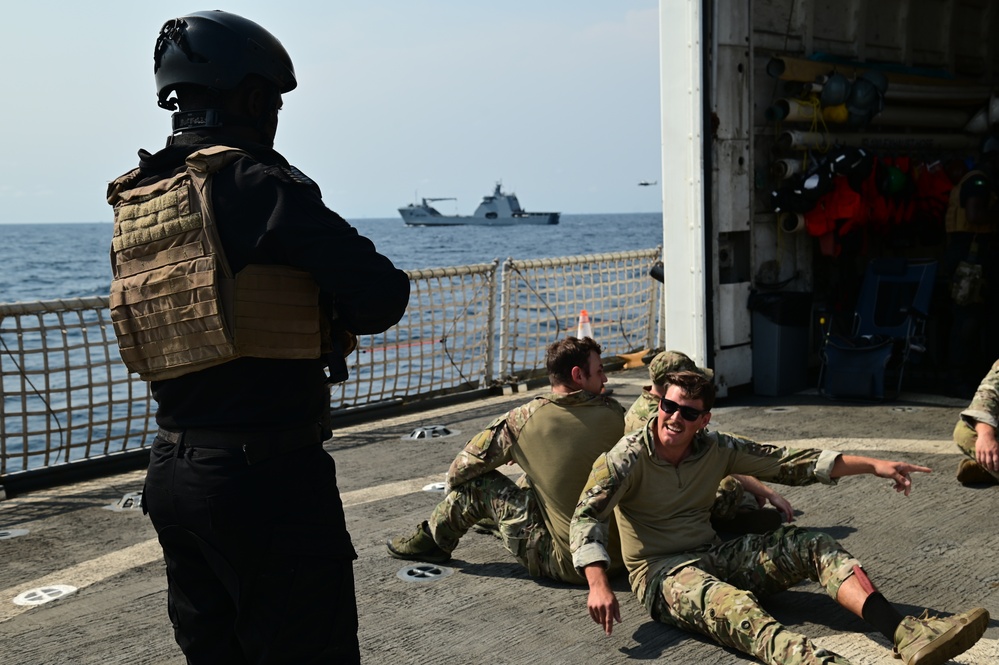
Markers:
{"x": 739, "y": 501}
{"x": 661, "y": 481}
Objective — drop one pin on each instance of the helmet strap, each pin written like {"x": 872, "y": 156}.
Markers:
{"x": 184, "y": 121}
{"x": 200, "y": 119}
{"x": 214, "y": 120}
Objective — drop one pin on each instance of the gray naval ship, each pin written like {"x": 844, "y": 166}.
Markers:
{"x": 497, "y": 209}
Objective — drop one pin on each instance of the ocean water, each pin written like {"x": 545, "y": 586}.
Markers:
{"x": 51, "y": 261}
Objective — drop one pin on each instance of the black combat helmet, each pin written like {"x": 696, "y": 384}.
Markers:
{"x": 216, "y": 49}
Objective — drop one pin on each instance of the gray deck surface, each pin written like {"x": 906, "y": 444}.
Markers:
{"x": 937, "y": 548}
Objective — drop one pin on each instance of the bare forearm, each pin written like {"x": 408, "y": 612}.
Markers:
{"x": 985, "y": 430}
{"x": 852, "y": 465}
{"x": 596, "y": 576}
{"x": 897, "y": 472}
{"x": 752, "y": 485}
{"x": 764, "y": 493}
{"x": 986, "y": 446}
{"x": 601, "y": 602}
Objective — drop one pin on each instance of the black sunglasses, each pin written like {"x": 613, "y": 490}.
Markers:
{"x": 688, "y": 413}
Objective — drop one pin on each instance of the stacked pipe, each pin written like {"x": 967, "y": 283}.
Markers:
{"x": 866, "y": 126}
{"x": 883, "y": 99}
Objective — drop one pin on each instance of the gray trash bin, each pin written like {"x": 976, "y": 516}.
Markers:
{"x": 780, "y": 323}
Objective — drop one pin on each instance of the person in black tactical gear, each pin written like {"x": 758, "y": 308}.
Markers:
{"x": 233, "y": 288}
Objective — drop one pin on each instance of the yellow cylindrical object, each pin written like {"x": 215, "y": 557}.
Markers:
{"x": 836, "y": 115}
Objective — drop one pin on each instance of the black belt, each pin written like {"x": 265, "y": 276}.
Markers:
{"x": 256, "y": 446}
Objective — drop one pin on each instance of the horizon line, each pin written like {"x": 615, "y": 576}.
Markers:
{"x": 349, "y": 219}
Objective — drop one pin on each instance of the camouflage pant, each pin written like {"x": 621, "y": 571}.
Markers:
{"x": 516, "y": 518}
{"x": 717, "y": 595}
{"x": 730, "y": 498}
{"x": 965, "y": 437}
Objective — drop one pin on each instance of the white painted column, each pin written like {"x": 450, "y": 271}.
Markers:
{"x": 684, "y": 301}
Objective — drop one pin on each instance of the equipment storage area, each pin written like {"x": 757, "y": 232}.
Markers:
{"x": 836, "y": 133}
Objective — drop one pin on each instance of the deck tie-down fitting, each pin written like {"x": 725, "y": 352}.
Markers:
{"x": 432, "y": 432}
{"x": 424, "y": 572}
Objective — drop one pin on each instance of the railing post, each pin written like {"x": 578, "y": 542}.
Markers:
{"x": 505, "y": 292}
{"x": 656, "y": 291}
{"x": 491, "y": 335}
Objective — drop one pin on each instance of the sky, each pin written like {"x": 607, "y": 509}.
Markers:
{"x": 396, "y": 99}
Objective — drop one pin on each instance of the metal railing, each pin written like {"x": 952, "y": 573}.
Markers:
{"x": 68, "y": 397}
{"x": 66, "y": 393}
{"x": 442, "y": 344}
{"x": 542, "y": 300}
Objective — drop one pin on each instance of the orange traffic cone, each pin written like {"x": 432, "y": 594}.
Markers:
{"x": 584, "y": 329}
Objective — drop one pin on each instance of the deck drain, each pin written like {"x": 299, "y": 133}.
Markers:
{"x": 434, "y": 487}
{"x": 424, "y": 572}
{"x": 7, "y": 534}
{"x": 907, "y": 409}
{"x": 782, "y": 409}
{"x": 132, "y": 501}
{"x": 44, "y": 594}
{"x": 432, "y": 432}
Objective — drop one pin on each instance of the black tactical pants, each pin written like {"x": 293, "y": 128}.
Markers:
{"x": 258, "y": 558}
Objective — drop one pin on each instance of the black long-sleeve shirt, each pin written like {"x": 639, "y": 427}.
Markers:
{"x": 269, "y": 213}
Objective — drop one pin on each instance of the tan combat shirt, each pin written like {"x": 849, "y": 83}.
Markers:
{"x": 663, "y": 511}
{"x": 555, "y": 439}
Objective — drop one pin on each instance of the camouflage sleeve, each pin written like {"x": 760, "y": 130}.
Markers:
{"x": 639, "y": 413}
{"x": 487, "y": 450}
{"x": 727, "y": 440}
{"x": 588, "y": 530}
{"x": 984, "y": 406}
{"x": 491, "y": 448}
{"x": 787, "y": 466}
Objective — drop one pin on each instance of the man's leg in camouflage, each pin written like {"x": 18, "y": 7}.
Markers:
{"x": 718, "y": 597}
{"x": 775, "y": 561}
{"x": 514, "y": 511}
{"x": 695, "y": 600}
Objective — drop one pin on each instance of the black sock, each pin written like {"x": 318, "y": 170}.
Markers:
{"x": 878, "y": 612}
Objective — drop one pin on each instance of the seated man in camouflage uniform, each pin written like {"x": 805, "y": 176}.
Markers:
{"x": 554, "y": 438}
{"x": 740, "y": 500}
{"x": 975, "y": 433}
{"x": 659, "y": 482}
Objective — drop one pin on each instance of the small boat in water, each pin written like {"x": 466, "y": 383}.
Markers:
{"x": 498, "y": 209}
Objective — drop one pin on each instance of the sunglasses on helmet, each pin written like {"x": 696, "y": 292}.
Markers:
{"x": 688, "y": 413}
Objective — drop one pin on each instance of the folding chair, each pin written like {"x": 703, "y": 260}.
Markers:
{"x": 888, "y": 329}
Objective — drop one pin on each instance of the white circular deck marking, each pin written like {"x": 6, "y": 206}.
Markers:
{"x": 7, "y": 534}
{"x": 43, "y": 594}
{"x": 84, "y": 573}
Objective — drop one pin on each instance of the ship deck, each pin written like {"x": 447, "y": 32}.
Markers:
{"x": 936, "y": 548}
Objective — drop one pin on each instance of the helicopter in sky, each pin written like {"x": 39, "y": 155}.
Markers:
{"x": 647, "y": 183}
